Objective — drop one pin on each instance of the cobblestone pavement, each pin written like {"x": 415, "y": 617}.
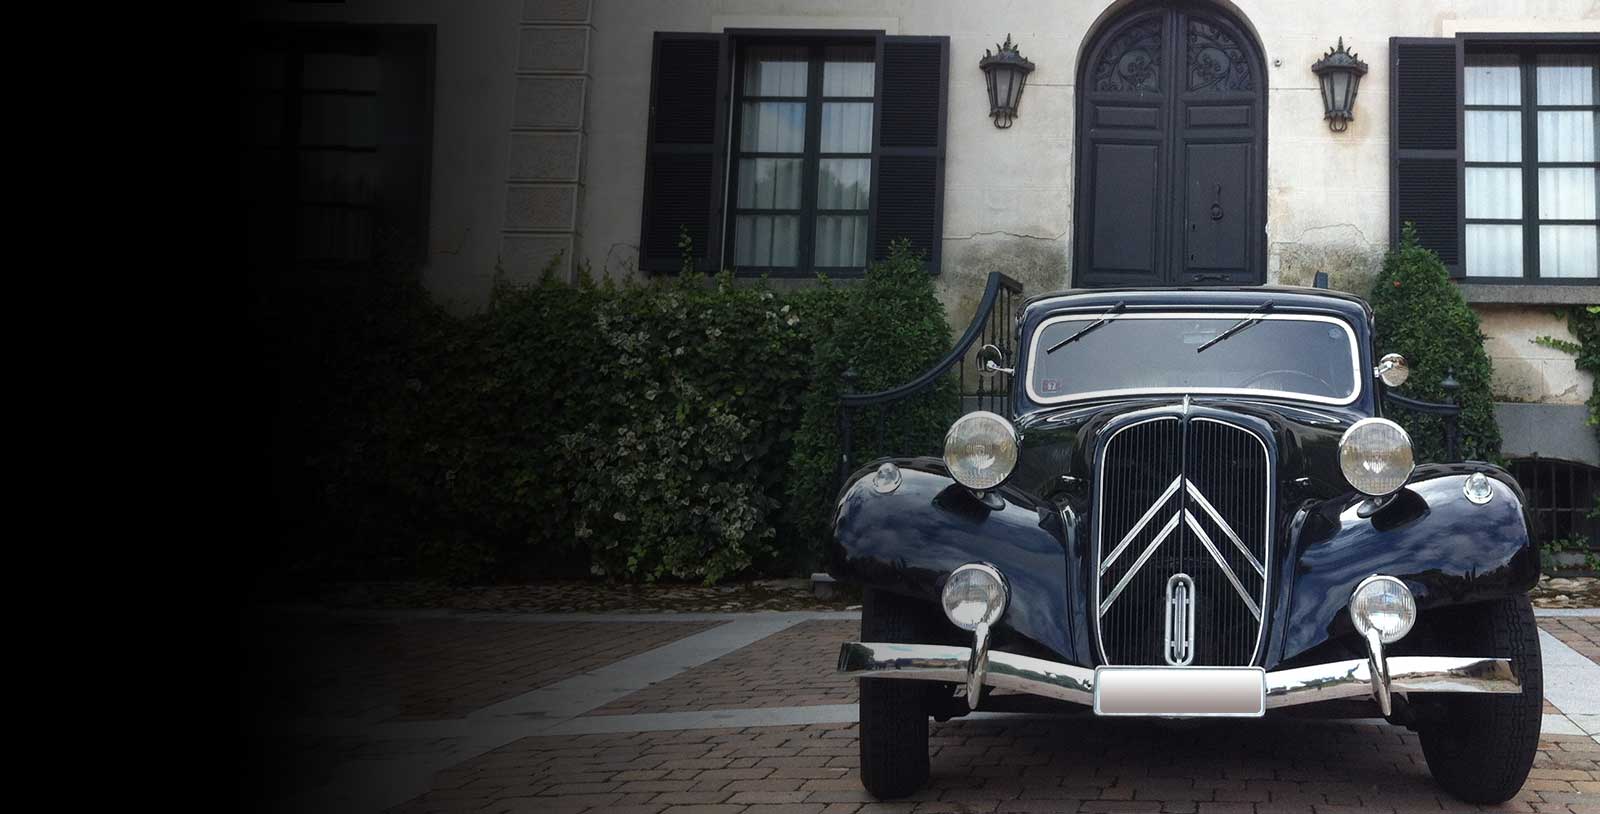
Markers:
{"x": 790, "y": 669}
{"x": 1579, "y": 633}
{"x": 739, "y": 714}
{"x": 1065, "y": 764}
{"x": 426, "y": 669}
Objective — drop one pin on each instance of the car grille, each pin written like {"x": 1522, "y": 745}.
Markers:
{"x": 1191, "y": 495}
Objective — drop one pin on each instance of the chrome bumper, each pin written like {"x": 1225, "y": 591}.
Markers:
{"x": 1283, "y": 688}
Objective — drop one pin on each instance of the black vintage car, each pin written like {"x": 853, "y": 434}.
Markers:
{"x": 1193, "y": 506}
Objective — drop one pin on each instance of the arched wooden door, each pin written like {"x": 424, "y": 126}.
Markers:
{"x": 1171, "y": 151}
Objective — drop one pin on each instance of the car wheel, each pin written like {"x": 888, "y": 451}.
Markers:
{"x": 894, "y": 712}
{"x": 1480, "y": 747}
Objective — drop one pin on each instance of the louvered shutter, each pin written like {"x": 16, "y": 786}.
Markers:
{"x": 908, "y": 187}
{"x": 1425, "y": 144}
{"x": 684, "y": 158}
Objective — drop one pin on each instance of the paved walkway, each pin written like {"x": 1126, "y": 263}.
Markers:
{"x": 740, "y": 714}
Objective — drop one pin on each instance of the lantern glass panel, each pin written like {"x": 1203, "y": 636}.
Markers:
{"x": 1341, "y": 91}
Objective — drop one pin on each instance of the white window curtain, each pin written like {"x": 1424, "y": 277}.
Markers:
{"x": 1565, "y": 193}
{"x": 1493, "y": 250}
{"x": 777, "y": 126}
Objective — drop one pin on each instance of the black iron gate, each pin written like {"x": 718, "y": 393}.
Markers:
{"x": 994, "y": 323}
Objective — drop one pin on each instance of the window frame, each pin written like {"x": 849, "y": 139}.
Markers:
{"x": 295, "y": 41}
{"x": 1527, "y": 48}
{"x": 815, "y": 41}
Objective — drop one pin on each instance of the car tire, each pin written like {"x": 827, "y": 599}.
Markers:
{"x": 894, "y": 712}
{"x": 1481, "y": 747}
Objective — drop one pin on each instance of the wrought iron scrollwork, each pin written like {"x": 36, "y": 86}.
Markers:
{"x": 1131, "y": 62}
{"x": 1216, "y": 61}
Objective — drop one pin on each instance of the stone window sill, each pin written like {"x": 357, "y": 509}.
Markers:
{"x": 1514, "y": 294}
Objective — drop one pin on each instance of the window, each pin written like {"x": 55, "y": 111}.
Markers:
{"x": 802, "y": 173}
{"x": 793, "y": 153}
{"x": 334, "y": 135}
{"x": 1529, "y": 120}
{"x": 1493, "y": 158}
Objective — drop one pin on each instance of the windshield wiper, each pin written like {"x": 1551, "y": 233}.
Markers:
{"x": 1254, "y": 317}
{"x": 1105, "y": 316}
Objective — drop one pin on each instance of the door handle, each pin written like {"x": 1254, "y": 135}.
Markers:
{"x": 1216, "y": 204}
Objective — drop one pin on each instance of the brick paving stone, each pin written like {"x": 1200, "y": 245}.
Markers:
{"x": 1074, "y": 764}
{"x": 319, "y": 667}
{"x": 793, "y": 668}
{"x": 1580, "y": 633}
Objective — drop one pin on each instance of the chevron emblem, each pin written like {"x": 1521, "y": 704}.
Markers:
{"x": 1182, "y": 517}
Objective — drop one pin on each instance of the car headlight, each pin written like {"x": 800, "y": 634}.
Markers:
{"x": 975, "y": 594}
{"x": 1383, "y": 604}
{"x": 1375, "y": 454}
{"x": 981, "y": 450}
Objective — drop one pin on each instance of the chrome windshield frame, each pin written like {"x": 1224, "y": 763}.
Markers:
{"x": 1034, "y": 352}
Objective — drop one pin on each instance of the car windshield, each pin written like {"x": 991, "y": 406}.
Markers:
{"x": 1302, "y": 356}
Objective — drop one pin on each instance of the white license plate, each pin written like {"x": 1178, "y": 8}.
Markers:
{"x": 1180, "y": 692}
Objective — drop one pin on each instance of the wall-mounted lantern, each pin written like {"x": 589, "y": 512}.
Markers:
{"x": 1340, "y": 74}
{"x": 1006, "y": 71}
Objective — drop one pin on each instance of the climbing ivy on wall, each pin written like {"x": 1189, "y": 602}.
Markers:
{"x": 1584, "y": 322}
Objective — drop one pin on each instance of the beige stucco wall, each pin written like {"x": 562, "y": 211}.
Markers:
{"x": 1008, "y": 193}
{"x": 1524, "y": 370}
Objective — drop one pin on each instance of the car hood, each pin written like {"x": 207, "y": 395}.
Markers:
{"x": 1056, "y": 453}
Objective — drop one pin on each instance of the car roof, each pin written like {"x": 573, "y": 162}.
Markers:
{"x": 1349, "y": 306}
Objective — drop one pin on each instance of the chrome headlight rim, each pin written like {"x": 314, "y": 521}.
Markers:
{"x": 1344, "y": 441}
{"x": 995, "y": 613}
{"x": 1363, "y": 624}
{"x": 1009, "y": 436}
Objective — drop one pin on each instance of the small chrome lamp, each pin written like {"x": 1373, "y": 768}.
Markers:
{"x": 1006, "y": 71}
{"x": 1339, "y": 73}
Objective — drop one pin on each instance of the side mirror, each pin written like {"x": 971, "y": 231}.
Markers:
{"x": 1392, "y": 369}
{"x": 991, "y": 361}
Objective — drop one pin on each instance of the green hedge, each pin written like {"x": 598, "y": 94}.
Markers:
{"x": 679, "y": 428}
{"x": 1421, "y": 315}
{"x": 882, "y": 345}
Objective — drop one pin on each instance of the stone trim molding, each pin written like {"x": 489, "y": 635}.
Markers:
{"x": 544, "y": 176}
{"x": 1515, "y": 294}
{"x": 1546, "y": 430}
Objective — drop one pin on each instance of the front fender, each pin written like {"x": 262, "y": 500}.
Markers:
{"x": 1448, "y": 551}
{"x": 908, "y": 540}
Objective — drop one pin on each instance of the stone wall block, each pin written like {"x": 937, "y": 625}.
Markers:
{"x": 553, "y": 50}
{"x": 546, "y": 156}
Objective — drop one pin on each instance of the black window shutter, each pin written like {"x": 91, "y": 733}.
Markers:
{"x": 908, "y": 190}
{"x": 1425, "y": 144}
{"x": 684, "y": 154}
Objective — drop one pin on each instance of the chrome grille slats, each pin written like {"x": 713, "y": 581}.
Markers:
{"x": 1215, "y": 529}
{"x": 1138, "y": 476}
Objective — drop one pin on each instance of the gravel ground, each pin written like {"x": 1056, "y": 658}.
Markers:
{"x": 1567, "y": 592}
